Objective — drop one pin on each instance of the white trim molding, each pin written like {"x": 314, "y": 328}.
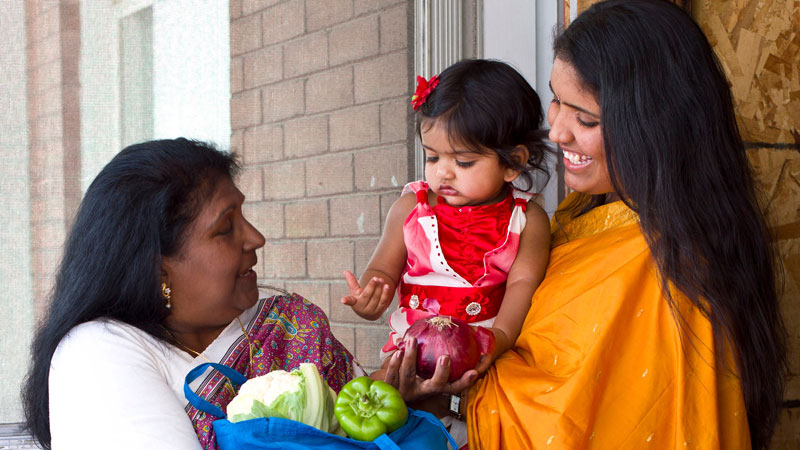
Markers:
{"x": 439, "y": 42}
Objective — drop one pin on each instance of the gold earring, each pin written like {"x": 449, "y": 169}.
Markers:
{"x": 167, "y": 294}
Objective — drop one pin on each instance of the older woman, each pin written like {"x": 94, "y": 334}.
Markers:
{"x": 657, "y": 323}
{"x": 157, "y": 278}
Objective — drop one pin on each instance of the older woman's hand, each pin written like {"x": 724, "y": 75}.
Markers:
{"x": 401, "y": 372}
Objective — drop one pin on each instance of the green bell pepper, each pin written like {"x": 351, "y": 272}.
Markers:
{"x": 366, "y": 409}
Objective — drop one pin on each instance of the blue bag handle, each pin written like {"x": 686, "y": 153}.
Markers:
{"x": 199, "y": 402}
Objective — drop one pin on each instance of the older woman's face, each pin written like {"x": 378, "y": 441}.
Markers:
{"x": 212, "y": 277}
{"x": 575, "y": 125}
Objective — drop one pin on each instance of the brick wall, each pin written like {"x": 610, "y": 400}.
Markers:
{"x": 53, "y": 36}
{"x": 319, "y": 113}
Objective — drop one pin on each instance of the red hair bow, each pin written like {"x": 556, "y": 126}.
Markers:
{"x": 424, "y": 89}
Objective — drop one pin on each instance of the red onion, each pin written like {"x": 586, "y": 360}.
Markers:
{"x": 444, "y": 335}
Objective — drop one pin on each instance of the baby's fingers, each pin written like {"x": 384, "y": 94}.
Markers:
{"x": 371, "y": 291}
{"x": 386, "y": 296}
{"x": 352, "y": 283}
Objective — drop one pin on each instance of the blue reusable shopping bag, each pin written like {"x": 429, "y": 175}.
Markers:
{"x": 422, "y": 431}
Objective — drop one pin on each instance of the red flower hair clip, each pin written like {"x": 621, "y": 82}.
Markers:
{"x": 424, "y": 89}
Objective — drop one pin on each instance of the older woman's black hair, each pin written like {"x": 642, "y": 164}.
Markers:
{"x": 486, "y": 105}
{"x": 675, "y": 156}
{"x": 136, "y": 211}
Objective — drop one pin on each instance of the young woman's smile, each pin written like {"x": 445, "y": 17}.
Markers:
{"x": 575, "y": 125}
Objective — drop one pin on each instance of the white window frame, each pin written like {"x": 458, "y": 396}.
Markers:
{"x": 438, "y": 43}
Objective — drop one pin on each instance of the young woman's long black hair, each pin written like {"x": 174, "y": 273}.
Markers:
{"x": 675, "y": 156}
{"x": 136, "y": 211}
{"x": 488, "y": 106}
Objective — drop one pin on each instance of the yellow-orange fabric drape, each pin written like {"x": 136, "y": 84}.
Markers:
{"x": 602, "y": 362}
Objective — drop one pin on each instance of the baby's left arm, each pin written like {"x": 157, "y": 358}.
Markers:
{"x": 524, "y": 277}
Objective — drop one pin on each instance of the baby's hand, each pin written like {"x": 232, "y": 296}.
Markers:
{"x": 369, "y": 302}
{"x": 488, "y": 339}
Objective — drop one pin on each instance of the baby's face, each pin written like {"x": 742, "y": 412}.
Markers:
{"x": 461, "y": 176}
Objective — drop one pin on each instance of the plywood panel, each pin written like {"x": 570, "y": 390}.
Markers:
{"x": 758, "y": 42}
{"x": 790, "y": 307}
{"x": 787, "y": 434}
{"x": 778, "y": 175}
{"x": 777, "y": 172}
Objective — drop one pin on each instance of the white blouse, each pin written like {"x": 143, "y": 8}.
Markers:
{"x": 115, "y": 386}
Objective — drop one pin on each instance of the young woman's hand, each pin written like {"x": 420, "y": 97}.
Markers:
{"x": 401, "y": 372}
{"x": 370, "y": 301}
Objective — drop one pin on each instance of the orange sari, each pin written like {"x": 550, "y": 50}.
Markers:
{"x": 601, "y": 362}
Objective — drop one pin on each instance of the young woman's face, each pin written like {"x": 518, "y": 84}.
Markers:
{"x": 459, "y": 175}
{"x": 575, "y": 125}
{"x": 212, "y": 277}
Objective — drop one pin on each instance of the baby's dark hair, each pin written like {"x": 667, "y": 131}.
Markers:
{"x": 487, "y": 105}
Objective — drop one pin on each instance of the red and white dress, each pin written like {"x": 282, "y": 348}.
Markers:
{"x": 458, "y": 260}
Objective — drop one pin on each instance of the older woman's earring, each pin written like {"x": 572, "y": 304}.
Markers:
{"x": 167, "y": 294}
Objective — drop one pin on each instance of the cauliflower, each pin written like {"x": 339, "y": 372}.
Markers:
{"x": 300, "y": 395}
